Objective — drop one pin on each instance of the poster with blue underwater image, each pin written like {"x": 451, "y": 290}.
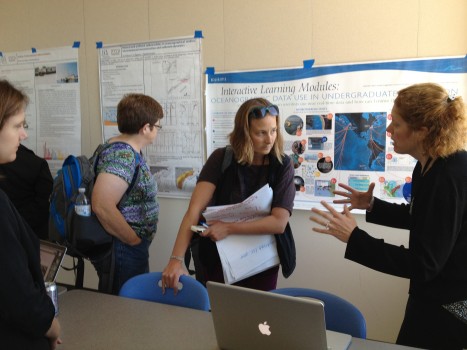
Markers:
{"x": 338, "y": 114}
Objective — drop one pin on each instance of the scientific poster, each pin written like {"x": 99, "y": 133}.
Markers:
{"x": 170, "y": 72}
{"x": 333, "y": 119}
{"x": 50, "y": 78}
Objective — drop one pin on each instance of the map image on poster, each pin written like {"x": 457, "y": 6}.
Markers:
{"x": 360, "y": 141}
{"x": 333, "y": 120}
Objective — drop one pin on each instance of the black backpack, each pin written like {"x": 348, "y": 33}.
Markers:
{"x": 83, "y": 236}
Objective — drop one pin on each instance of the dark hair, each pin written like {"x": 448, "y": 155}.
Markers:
{"x": 12, "y": 101}
{"x": 240, "y": 139}
{"x": 135, "y": 111}
{"x": 429, "y": 105}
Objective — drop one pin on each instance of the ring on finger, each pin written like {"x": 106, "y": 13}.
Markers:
{"x": 327, "y": 225}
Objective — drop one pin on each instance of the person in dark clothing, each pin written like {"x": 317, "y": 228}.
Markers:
{"x": 28, "y": 183}
{"x": 430, "y": 126}
{"x": 27, "y": 314}
{"x": 257, "y": 146}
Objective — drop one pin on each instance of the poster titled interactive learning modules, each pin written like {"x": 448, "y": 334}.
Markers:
{"x": 333, "y": 119}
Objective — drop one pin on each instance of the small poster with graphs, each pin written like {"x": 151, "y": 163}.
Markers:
{"x": 168, "y": 70}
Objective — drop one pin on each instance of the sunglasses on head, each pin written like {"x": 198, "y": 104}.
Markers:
{"x": 260, "y": 112}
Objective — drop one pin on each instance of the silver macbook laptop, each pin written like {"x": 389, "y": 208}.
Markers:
{"x": 52, "y": 255}
{"x": 251, "y": 319}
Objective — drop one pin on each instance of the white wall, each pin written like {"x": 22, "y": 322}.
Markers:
{"x": 259, "y": 34}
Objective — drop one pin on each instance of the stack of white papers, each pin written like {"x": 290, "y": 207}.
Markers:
{"x": 245, "y": 255}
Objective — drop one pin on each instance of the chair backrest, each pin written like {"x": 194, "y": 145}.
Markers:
{"x": 340, "y": 315}
{"x": 192, "y": 294}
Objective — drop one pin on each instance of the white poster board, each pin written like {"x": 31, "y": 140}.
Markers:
{"x": 170, "y": 72}
{"x": 333, "y": 119}
{"x": 50, "y": 78}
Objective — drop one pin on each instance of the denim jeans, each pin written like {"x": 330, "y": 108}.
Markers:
{"x": 128, "y": 261}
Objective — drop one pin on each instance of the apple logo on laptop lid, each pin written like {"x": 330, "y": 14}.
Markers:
{"x": 264, "y": 328}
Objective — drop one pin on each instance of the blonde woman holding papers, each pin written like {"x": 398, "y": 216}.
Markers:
{"x": 258, "y": 157}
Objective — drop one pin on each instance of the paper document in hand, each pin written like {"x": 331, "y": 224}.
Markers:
{"x": 245, "y": 255}
{"x": 257, "y": 205}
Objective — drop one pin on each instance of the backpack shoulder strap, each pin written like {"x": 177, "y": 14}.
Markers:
{"x": 135, "y": 178}
{"x": 228, "y": 155}
{"x": 95, "y": 157}
{"x": 275, "y": 165}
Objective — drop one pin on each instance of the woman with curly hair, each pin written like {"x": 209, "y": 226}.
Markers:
{"x": 431, "y": 126}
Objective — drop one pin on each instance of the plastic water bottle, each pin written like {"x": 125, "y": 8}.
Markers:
{"x": 82, "y": 205}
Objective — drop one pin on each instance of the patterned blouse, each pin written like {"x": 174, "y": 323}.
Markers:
{"x": 140, "y": 209}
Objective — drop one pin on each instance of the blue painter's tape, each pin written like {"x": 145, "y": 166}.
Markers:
{"x": 210, "y": 71}
{"x": 199, "y": 34}
{"x": 33, "y": 49}
{"x": 98, "y": 44}
{"x": 308, "y": 64}
{"x": 76, "y": 44}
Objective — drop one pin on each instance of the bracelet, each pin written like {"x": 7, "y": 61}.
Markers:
{"x": 179, "y": 258}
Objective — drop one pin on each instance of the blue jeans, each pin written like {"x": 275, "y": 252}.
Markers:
{"x": 128, "y": 261}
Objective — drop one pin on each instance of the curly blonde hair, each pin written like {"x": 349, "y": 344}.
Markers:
{"x": 429, "y": 105}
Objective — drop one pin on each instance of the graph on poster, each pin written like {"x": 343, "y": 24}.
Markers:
{"x": 169, "y": 71}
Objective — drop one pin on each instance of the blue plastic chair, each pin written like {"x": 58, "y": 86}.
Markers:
{"x": 191, "y": 294}
{"x": 340, "y": 315}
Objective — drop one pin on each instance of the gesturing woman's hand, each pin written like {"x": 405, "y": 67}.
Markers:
{"x": 339, "y": 225}
{"x": 356, "y": 199}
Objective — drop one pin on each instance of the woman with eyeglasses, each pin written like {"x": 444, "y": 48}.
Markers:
{"x": 133, "y": 221}
{"x": 27, "y": 314}
{"x": 258, "y": 158}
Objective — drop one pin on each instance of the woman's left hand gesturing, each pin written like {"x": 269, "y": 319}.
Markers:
{"x": 339, "y": 225}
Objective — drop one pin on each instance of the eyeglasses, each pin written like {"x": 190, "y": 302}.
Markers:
{"x": 158, "y": 126}
{"x": 260, "y": 112}
{"x": 25, "y": 125}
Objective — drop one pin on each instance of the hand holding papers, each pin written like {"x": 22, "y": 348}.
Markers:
{"x": 245, "y": 255}
{"x": 198, "y": 228}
